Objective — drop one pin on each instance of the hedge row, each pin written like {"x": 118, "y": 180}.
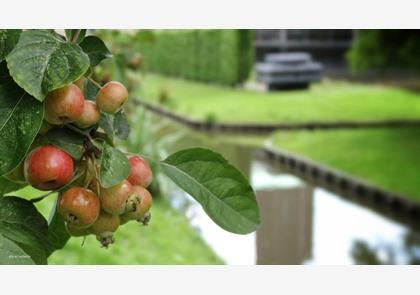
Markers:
{"x": 385, "y": 49}
{"x": 220, "y": 56}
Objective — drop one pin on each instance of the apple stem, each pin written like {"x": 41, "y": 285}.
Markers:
{"x": 94, "y": 82}
{"x": 77, "y": 130}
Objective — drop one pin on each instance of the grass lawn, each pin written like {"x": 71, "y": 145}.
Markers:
{"x": 169, "y": 239}
{"x": 326, "y": 101}
{"x": 388, "y": 158}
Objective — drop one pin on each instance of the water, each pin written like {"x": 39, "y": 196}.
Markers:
{"x": 306, "y": 225}
{"x": 301, "y": 224}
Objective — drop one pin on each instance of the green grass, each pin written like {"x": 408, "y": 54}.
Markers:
{"x": 326, "y": 101}
{"x": 388, "y": 158}
{"x": 168, "y": 239}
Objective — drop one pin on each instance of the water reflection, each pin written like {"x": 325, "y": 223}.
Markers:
{"x": 285, "y": 233}
{"x": 301, "y": 224}
{"x": 389, "y": 252}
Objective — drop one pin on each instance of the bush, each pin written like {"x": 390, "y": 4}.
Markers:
{"x": 385, "y": 49}
{"x": 220, "y": 56}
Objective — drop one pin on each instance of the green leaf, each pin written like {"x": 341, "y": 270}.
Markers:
{"x": 66, "y": 139}
{"x": 115, "y": 125}
{"x": 106, "y": 122}
{"x": 57, "y": 232}
{"x": 4, "y": 73}
{"x": 11, "y": 253}
{"x": 90, "y": 90}
{"x": 20, "y": 119}
{"x": 42, "y": 61}
{"x": 114, "y": 166}
{"x": 39, "y": 257}
{"x": 96, "y": 49}
{"x": 8, "y": 40}
{"x": 7, "y": 186}
{"x": 121, "y": 126}
{"x": 24, "y": 225}
{"x": 220, "y": 188}
{"x": 75, "y": 35}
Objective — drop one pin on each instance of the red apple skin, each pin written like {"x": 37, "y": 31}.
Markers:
{"x": 89, "y": 116}
{"x": 48, "y": 168}
{"x": 79, "y": 207}
{"x": 113, "y": 199}
{"x": 111, "y": 97}
{"x": 64, "y": 105}
{"x": 140, "y": 172}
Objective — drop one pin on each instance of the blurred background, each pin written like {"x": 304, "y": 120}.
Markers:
{"x": 324, "y": 123}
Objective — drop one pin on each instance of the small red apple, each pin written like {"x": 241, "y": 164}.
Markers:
{"x": 113, "y": 199}
{"x": 140, "y": 173}
{"x": 79, "y": 207}
{"x": 64, "y": 105}
{"x": 138, "y": 204}
{"x": 90, "y": 115}
{"x": 111, "y": 97}
{"x": 48, "y": 168}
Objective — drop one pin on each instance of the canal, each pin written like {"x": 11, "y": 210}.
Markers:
{"x": 301, "y": 223}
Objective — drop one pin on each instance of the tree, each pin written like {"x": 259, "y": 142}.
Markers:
{"x": 38, "y": 66}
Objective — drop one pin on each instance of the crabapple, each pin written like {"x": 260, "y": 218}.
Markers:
{"x": 89, "y": 116}
{"x": 104, "y": 227}
{"x": 75, "y": 231}
{"x": 113, "y": 199}
{"x": 80, "y": 207}
{"x": 48, "y": 168}
{"x": 138, "y": 204}
{"x": 64, "y": 105}
{"x": 140, "y": 172}
{"x": 111, "y": 97}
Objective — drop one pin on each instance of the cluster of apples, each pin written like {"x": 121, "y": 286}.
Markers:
{"x": 100, "y": 211}
{"x": 87, "y": 208}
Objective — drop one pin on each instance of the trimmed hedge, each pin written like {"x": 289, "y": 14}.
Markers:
{"x": 385, "y": 49}
{"x": 220, "y": 56}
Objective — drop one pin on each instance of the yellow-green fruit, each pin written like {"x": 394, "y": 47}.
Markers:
{"x": 105, "y": 223}
{"x": 75, "y": 231}
{"x": 111, "y": 97}
{"x": 138, "y": 204}
{"x": 104, "y": 227}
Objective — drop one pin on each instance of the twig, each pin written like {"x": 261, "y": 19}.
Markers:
{"x": 96, "y": 176}
{"x": 94, "y": 82}
{"x": 76, "y": 36}
{"x": 71, "y": 127}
